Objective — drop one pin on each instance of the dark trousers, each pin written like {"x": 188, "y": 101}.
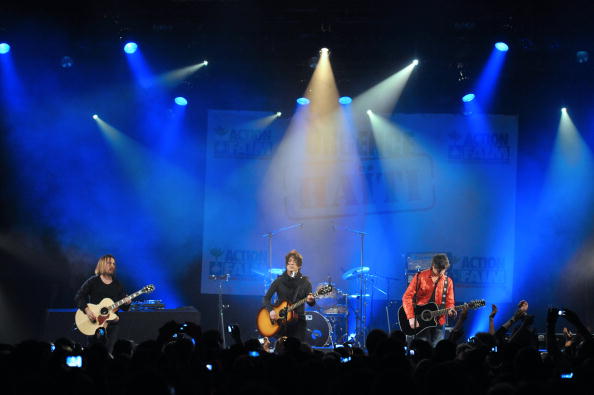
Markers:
{"x": 109, "y": 338}
{"x": 431, "y": 335}
{"x": 295, "y": 329}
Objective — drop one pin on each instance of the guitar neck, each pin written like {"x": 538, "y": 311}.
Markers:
{"x": 444, "y": 311}
{"x": 299, "y": 303}
{"x": 123, "y": 301}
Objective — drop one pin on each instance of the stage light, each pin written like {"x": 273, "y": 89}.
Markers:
{"x": 582, "y": 56}
{"x": 501, "y": 46}
{"x": 345, "y": 100}
{"x": 369, "y": 112}
{"x": 564, "y": 110}
{"x": 278, "y": 114}
{"x": 130, "y": 47}
{"x": 95, "y": 117}
{"x": 181, "y": 101}
{"x": 303, "y": 101}
{"x": 468, "y": 97}
{"x": 4, "y": 48}
{"x": 66, "y": 62}
{"x": 324, "y": 51}
{"x": 415, "y": 62}
{"x": 205, "y": 63}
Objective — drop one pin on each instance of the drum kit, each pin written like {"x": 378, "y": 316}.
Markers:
{"x": 327, "y": 322}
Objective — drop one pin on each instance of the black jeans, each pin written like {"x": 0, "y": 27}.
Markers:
{"x": 109, "y": 338}
{"x": 295, "y": 329}
{"x": 432, "y": 335}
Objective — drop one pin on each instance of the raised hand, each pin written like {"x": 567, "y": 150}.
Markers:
{"x": 493, "y": 311}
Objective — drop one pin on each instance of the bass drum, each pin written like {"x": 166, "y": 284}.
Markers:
{"x": 318, "y": 331}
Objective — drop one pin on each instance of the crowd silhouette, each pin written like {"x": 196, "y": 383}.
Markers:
{"x": 183, "y": 359}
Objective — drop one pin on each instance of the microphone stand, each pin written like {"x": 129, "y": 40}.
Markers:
{"x": 221, "y": 306}
{"x": 361, "y": 322}
{"x": 269, "y": 235}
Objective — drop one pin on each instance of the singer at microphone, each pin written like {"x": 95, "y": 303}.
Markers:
{"x": 291, "y": 286}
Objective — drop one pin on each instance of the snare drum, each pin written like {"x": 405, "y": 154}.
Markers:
{"x": 318, "y": 331}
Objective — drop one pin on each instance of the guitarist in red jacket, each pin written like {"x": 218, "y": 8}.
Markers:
{"x": 430, "y": 286}
{"x": 291, "y": 286}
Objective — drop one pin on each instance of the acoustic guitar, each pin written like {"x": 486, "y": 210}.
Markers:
{"x": 104, "y": 311}
{"x": 284, "y": 310}
{"x": 428, "y": 315}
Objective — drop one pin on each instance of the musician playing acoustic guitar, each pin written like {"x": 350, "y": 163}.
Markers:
{"x": 428, "y": 286}
{"x": 291, "y": 286}
{"x": 102, "y": 285}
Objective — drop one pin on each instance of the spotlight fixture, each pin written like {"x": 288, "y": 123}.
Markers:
{"x": 582, "y": 56}
{"x": 324, "y": 51}
{"x": 303, "y": 101}
{"x": 467, "y": 98}
{"x": 564, "y": 110}
{"x": 181, "y": 101}
{"x": 4, "y": 48}
{"x": 345, "y": 100}
{"x": 278, "y": 114}
{"x": 205, "y": 63}
{"x": 130, "y": 47}
{"x": 501, "y": 46}
{"x": 95, "y": 117}
{"x": 369, "y": 112}
{"x": 66, "y": 62}
{"x": 415, "y": 62}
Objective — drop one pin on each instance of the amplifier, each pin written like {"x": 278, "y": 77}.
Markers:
{"x": 418, "y": 261}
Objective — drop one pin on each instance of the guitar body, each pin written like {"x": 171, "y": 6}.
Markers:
{"x": 424, "y": 318}
{"x": 428, "y": 315}
{"x": 102, "y": 313}
{"x": 268, "y": 327}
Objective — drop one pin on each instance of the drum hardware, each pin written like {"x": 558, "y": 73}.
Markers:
{"x": 221, "y": 306}
{"x": 360, "y": 273}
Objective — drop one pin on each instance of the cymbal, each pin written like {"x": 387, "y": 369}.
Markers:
{"x": 354, "y": 271}
{"x": 357, "y": 296}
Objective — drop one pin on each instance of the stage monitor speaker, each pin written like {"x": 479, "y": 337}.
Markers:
{"x": 134, "y": 325}
{"x": 417, "y": 261}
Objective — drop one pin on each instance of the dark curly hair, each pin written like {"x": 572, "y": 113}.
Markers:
{"x": 296, "y": 255}
{"x": 440, "y": 262}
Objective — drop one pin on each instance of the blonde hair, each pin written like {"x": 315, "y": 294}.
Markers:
{"x": 101, "y": 267}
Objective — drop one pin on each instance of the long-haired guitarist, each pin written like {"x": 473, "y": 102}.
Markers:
{"x": 102, "y": 285}
{"x": 430, "y": 286}
{"x": 291, "y": 286}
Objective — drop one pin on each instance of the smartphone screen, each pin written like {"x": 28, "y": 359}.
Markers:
{"x": 74, "y": 361}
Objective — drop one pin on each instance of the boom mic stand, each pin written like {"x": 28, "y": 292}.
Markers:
{"x": 221, "y": 306}
{"x": 361, "y": 318}
{"x": 270, "y": 235}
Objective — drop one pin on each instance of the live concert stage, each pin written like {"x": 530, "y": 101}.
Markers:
{"x": 195, "y": 143}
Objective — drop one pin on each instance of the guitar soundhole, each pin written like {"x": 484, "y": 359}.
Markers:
{"x": 282, "y": 313}
{"x": 104, "y": 311}
{"x": 426, "y": 315}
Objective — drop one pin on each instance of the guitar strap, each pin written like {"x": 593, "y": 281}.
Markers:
{"x": 443, "y": 296}
{"x": 445, "y": 291}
